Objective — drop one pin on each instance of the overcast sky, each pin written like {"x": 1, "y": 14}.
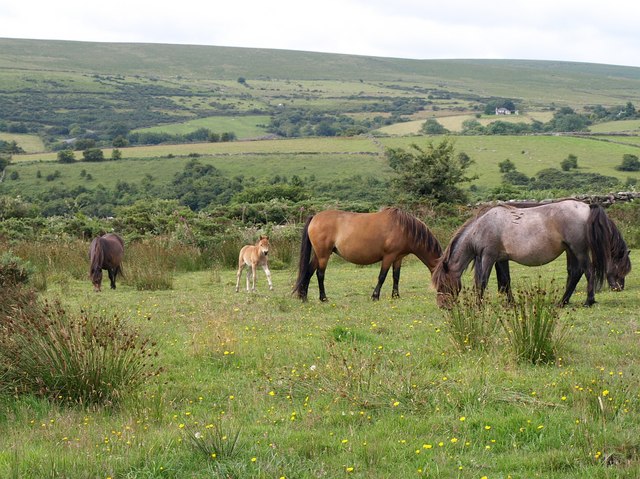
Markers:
{"x": 570, "y": 30}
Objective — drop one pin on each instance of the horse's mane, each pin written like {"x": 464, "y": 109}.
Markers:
{"x": 619, "y": 250}
{"x": 417, "y": 230}
{"x": 441, "y": 270}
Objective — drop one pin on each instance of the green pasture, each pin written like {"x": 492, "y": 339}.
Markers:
{"x": 243, "y": 126}
{"x": 325, "y": 158}
{"x": 622, "y": 126}
{"x": 454, "y": 123}
{"x": 29, "y": 143}
{"x": 346, "y": 388}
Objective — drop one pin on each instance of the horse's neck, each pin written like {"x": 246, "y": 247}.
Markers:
{"x": 463, "y": 254}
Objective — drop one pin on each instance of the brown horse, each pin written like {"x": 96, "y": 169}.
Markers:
{"x": 254, "y": 256}
{"x": 533, "y": 236}
{"x": 363, "y": 238}
{"x": 105, "y": 252}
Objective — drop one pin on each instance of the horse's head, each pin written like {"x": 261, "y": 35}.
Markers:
{"x": 96, "y": 279}
{"x": 447, "y": 285}
{"x": 263, "y": 245}
{"x": 618, "y": 269}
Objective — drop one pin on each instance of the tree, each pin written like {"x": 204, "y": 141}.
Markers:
{"x": 116, "y": 154}
{"x": 569, "y": 162}
{"x": 93, "y": 154}
{"x": 506, "y": 166}
{"x": 66, "y": 156}
{"x": 434, "y": 172}
{"x": 629, "y": 163}
{"x": 432, "y": 127}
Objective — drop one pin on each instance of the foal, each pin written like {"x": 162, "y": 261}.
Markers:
{"x": 254, "y": 256}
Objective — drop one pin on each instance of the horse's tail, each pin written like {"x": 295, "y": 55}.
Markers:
{"x": 96, "y": 256}
{"x": 599, "y": 243}
{"x": 304, "y": 266}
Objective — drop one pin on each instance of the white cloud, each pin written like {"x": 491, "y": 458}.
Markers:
{"x": 570, "y": 30}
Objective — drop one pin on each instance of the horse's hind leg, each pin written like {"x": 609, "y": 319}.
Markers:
{"x": 238, "y": 274}
{"x": 504, "y": 279}
{"x": 112, "y": 277}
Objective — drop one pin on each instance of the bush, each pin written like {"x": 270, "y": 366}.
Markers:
{"x": 13, "y": 270}
{"x": 85, "y": 358}
{"x": 532, "y": 326}
{"x": 629, "y": 163}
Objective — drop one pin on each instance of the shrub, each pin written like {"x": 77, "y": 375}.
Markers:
{"x": 471, "y": 324}
{"x": 629, "y": 163}
{"x": 85, "y": 358}
{"x": 532, "y": 326}
{"x": 13, "y": 270}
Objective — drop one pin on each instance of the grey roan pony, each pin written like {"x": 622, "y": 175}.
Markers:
{"x": 533, "y": 236}
{"x": 105, "y": 252}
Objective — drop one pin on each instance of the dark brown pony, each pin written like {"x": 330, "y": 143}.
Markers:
{"x": 105, "y": 252}
{"x": 533, "y": 236}
{"x": 363, "y": 238}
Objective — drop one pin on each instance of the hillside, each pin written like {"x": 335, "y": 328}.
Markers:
{"x": 149, "y": 84}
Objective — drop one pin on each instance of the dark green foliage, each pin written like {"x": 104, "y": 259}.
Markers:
{"x": 629, "y": 163}
{"x": 568, "y": 120}
{"x": 432, "y": 127}
{"x": 506, "y": 166}
{"x": 93, "y": 154}
{"x": 569, "y": 162}
{"x": 199, "y": 186}
{"x": 66, "y": 156}
{"x": 432, "y": 173}
{"x": 551, "y": 178}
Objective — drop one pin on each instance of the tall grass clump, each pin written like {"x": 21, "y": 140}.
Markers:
{"x": 472, "y": 324}
{"x": 532, "y": 326}
{"x": 81, "y": 358}
{"x": 213, "y": 440}
{"x": 148, "y": 265}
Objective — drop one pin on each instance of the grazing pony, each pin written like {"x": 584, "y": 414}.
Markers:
{"x": 533, "y": 236}
{"x": 254, "y": 256}
{"x": 105, "y": 252}
{"x": 363, "y": 238}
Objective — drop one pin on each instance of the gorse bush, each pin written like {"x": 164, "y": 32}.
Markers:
{"x": 81, "y": 358}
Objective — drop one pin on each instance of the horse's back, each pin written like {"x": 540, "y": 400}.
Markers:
{"x": 535, "y": 235}
{"x": 113, "y": 247}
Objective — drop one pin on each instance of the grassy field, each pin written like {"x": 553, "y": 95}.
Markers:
{"x": 347, "y": 388}
{"x": 325, "y": 158}
{"x": 242, "y": 126}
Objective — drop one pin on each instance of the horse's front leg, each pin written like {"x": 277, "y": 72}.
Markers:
{"x": 591, "y": 286}
{"x": 395, "y": 292}
{"x": 482, "y": 267}
{"x": 265, "y": 267}
{"x": 381, "y": 277}
{"x": 574, "y": 273}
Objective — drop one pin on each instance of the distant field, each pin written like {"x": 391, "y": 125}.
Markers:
{"x": 454, "y": 123}
{"x": 325, "y": 158}
{"x": 242, "y": 126}
{"x": 289, "y": 146}
{"x": 29, "y": 143}
{"x": 626, "y": 126}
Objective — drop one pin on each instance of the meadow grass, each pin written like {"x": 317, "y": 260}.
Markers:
{"x": 318, "y": 157}
{"x": 346, "y": 388}
{"x": 242, "y": 126}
